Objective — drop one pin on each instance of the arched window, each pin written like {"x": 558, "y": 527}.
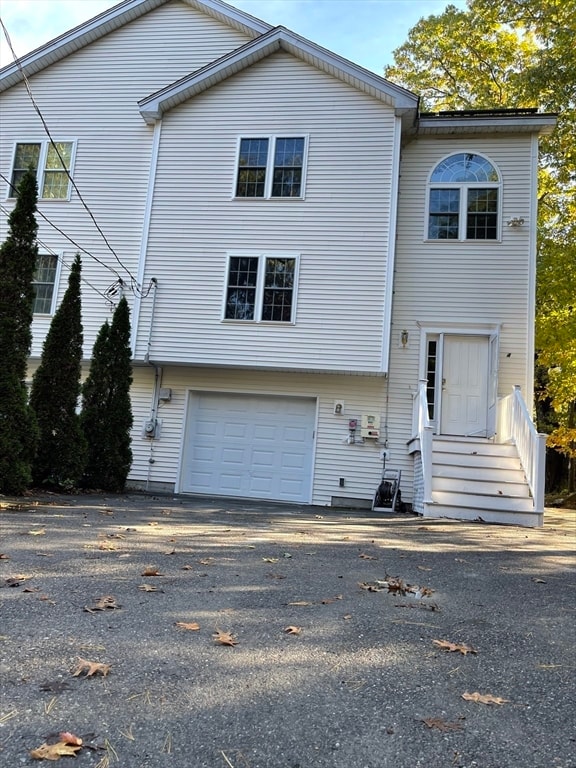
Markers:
{"x": 463, "y": 199}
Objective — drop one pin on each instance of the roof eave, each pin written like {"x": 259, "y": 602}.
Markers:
{"x": 109, "y": 21}
{"x": 154, "y": 106}
{"x": 542, "y": 124}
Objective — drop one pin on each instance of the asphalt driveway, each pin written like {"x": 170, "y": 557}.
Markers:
{"x": 202, "y": 633}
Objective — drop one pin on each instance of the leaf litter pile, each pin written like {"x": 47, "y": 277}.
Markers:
{"x": 184, "y": 558}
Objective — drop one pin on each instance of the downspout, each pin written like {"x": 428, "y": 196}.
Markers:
{"x": 145, "y": 235}
{"x": 390, "y": 262}
{"x": 532, "y": 267}
{"x": 153, "y": 420}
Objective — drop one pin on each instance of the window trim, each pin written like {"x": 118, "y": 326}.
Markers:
{"x": 262, "y": 257}
{"x": 41, "y": 170}
{"x": 463, "y": 187}
{"x": 269, "y": 178}
{"x": 58, "y": 257}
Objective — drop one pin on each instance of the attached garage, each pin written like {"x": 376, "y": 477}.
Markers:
{"x": 251, "y": 446}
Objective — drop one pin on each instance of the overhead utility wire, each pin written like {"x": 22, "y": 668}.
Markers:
{"x": 52, "y": 252}
{"x": 67, "y": 172}
{"x": 61, "y": 231}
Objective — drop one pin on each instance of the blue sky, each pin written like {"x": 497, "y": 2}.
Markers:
{"x": 364, "y": 31}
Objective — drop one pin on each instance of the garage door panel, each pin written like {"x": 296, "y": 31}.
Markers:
{"x": 263, "y": 459}
{"x": 249, "y": 445}
{"x": 292, "y": 460}
{"x": 265, "y": 432}
{"x": 232, "y": 456}
{"x": 231, "y": 482}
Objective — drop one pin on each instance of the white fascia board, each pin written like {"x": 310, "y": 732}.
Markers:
{"x": 109, "y": 21}
{"x": 537, "y": 123}
{"x": 153, "y": 107}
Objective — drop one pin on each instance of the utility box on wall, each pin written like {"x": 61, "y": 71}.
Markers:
{"x": 370, "y": 426}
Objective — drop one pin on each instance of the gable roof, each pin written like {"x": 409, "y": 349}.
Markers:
{"x": 111, "y": 20}
{"x": 402, "y": 101}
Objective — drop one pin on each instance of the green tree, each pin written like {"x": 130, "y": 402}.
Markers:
{"x": 18, "y": 255}
{"x": 518, "y": 53}
{"x": 61, "y": 454}
{"x": 106, "y": 408}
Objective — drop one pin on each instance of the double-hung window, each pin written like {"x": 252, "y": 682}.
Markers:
{"x": 261, "y": 287}
{"x": 463, "y": 202}
{"x": 271, "y": 167}
{"x": 52, "y": 162}
{"x": 44, "y": 283}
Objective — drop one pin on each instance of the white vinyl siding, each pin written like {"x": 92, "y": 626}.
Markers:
{"x": 94, "y": 93}
{"x": 360, "y": 464}
{"x": 340, "y": 230}
{"x": 460, "y": 286}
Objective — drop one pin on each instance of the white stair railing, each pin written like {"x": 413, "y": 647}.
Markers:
{"x": 425, "y": 433}
{"x": 515, "y": 424}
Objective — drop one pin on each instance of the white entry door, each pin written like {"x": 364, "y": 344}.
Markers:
{"x": 252, "y": 446}
{"x": 464, "y": 401}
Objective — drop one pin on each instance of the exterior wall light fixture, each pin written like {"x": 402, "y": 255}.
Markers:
{"x": 404, "y": 338}
{"x": 516, "y": 221}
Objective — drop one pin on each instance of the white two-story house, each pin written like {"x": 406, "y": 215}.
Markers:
{"x": 320, "y": 276}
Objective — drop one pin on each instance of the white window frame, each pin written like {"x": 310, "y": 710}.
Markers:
{"x": 41, "y": 170}
{"x": 262, "y": 257}
{"x": 272, "y": 138}
{"x": 54, "y": 300}
{"x": 463, "y": 187}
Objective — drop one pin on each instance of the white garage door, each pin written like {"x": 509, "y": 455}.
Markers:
{"x": 251, "y": 446}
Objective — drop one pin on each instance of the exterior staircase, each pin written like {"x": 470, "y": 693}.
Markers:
{"x": 477, "y": 479}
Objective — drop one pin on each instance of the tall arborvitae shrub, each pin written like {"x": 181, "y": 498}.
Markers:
{"x": 106, "y": 408}
{"x": 18, "y": 256}
{"x": 61, "y": 453}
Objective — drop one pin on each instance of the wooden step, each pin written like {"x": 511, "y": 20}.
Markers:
{"x": 530, "y": 519}
{"x": 474, "y": 447}
{"x": 474, "y": 460}
{"x": 491, "y": 487}
{"x": 483, "y": 501}
{"x": 495, "y": 474}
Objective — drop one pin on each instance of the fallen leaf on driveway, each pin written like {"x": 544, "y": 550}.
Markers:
{"x": 293, "y": 630}
{"x": 224, "y": 638}
{"x": 448, "y": 646}
{"x": 149, "y": 588}
{"x": 364, "y": 556}
{"x": 151, "y": 570}
{"x": 423, "y": 568}
{"x": 270, "y": 559}
{"x": 16, "y": 581}
{"x": 70, "y": 738}
{"x": 55, "y": 751}
{"x": 4, "y": 557}
{"x": 38, "y": 532}
{"x": 484, "y": 698}
{"x": 102, "y": 604}
{"x": 90, "y": 667}
{"x": 192, "y": 625}
{"x": 538, "y": 581}
{"x": 441, "y": 725}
